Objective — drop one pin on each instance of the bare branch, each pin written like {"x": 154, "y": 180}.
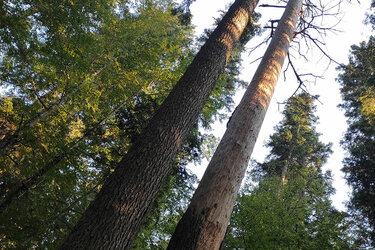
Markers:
{"x": 272, "y": 6}
{"x": 301, "y": 85}
{"x": 259, "y": 45}
{"x": 317, "y": 44}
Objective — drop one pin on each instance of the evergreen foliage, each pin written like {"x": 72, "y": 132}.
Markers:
{"x": 285, "y": 201}
{"x": 358, "y": 91}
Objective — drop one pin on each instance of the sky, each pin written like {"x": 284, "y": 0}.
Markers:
{"x": 332, "y": 123}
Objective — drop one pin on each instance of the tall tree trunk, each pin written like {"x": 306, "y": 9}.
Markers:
{"x": 206, "y": 219}
{"x": 113, "y": 219}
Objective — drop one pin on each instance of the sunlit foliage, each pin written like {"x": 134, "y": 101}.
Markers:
{"x": 358, "y": 83}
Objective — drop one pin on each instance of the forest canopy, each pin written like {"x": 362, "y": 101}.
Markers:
{"x": 81, "y": 81}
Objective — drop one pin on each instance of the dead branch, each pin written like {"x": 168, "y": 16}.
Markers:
{"x": 272, "y": 6}
{"x": 301, "y": 82}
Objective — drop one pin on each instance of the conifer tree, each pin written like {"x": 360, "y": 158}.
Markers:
{"x": 358, "y": 92}
{"x": 286, "y": 202}
{"x": 107, "y": 69}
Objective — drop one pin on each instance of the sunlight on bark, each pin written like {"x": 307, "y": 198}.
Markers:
{"x": 125, "y": 208}
{"x": 177, "y": 136}
{"x": 235, "y": 28}
{"x": 266, "y": 86}
{"x": 269, "y": 78}
{"x": 284, "y": 180}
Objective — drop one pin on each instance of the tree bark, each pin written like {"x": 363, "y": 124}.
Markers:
{"x": 206, "y": 219}
{"x": 113, "y": 219}
{"x": 284, "y": 170}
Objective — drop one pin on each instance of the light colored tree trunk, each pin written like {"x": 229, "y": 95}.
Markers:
{"x": 113, "y": 219}
{"x": 204, "y": 224}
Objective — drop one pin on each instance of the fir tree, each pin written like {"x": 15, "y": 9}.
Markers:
{"x": 358, "y": 92}
{"x": 285, "y": 204}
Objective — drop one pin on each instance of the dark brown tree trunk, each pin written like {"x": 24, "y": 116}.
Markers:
{"x": 113, "y": 219}
{"x": 206, "y": 219}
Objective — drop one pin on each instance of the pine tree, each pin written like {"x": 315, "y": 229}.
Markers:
{"x": 178, "y": 190}
{"x": 286, "y": 202}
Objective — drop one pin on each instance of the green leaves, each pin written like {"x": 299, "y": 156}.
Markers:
{"x": 68, "y": 67}
{"x": 82, "y": 79}
{"x": 368, "y": 105}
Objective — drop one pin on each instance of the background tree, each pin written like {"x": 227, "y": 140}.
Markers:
{"x": 358, "y": 92}
{"x": 286, "y": 201}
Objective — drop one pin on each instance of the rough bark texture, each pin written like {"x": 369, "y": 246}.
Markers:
{"x": 115, "y": 216}
{"x": 204, "y": 224}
